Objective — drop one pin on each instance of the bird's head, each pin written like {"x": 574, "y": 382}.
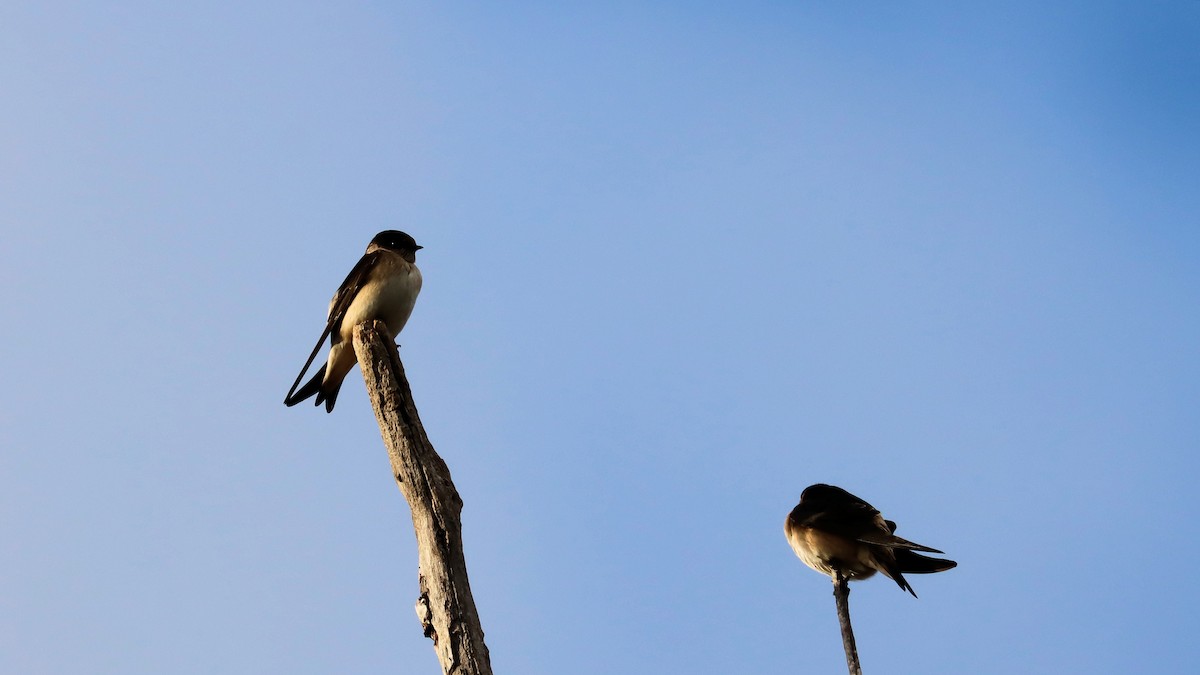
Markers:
{"x": 395, "y": 240}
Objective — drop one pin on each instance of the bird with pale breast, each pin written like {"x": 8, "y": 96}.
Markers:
{"x": 383, "y": 285}
{"x": 834, "y": 532}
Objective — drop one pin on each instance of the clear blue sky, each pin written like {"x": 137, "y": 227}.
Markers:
{"x": 682, "y": 260}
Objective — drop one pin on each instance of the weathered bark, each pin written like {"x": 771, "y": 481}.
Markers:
{"x": 841, "y": 594}
{"x": 445, "y": 606}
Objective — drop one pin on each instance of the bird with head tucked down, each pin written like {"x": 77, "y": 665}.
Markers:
{"x": 834, "y": 532}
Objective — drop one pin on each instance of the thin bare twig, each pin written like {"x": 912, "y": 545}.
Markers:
{"x": 841, "y": 594}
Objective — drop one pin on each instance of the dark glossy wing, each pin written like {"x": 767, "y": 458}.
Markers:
{"x": 337, "y": 309}
{"x": 843, "y": 514}
{"x": 892, "y": 541}
{"x": 347, "y": 292}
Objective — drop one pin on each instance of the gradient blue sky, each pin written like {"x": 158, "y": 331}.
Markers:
{"x": 682, "y": 260}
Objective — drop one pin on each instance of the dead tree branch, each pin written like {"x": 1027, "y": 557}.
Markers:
{"x": 445, "y": 606}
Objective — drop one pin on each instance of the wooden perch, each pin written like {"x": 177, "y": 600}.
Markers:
{"x": 841, "y": 595}
{"x": 445, "y": 606}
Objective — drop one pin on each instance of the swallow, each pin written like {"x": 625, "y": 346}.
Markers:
{"x": 834, "y": 532}
{"x": 383, "y": 285}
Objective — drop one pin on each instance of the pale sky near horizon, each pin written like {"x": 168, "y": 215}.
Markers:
{"x": 681, "y": 261}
